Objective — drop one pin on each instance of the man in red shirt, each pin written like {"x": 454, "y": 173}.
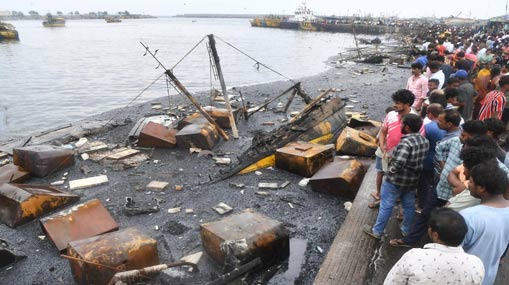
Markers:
{"x": 494, "y": 102}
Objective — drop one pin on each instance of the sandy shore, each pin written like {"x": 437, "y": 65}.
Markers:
{"x": 313, "y": 222}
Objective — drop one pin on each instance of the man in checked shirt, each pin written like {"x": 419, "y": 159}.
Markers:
{"x": 402, "y": 177}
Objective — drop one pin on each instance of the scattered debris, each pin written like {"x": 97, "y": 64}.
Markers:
{"x": 320, "y": 250}
{"x": 179, "y": 187}
{"x": 21, "y": 203}
{"x": 157, "y": 185}
{"x": 81, "y": 221}
{"x": 42, "y": 160}
{"x": 123, "y": 154}
{"x": 133, "y": 208}
{"x": 174, "y": 210}
{"x": 286, "y": 183}
{"x": 237, "y": 185}
{"x": 93, "y": 147}
{"x": 222, "y": 208}
{"x": 85, "y": 169}
{"x": 291, "y": 205}
{"x": 8, "y": 257}
{"x": 304, "y": 182}
{"x": 189, "y": 211}
{"x": 268, "y": 124}
{"x": 57, "y": 183}
{"x": 262, "y": 193}
{"x": 85, "y": 156}
{"x": 175, "y": 228}
{"x": 142, "y": 274}
{"x": 193, "y": 259}
{"x": 348, "y": 206}
{"x": 258, "y": 173}
{"x": 81, "y": 142}
{"x": 4, "y": 162}
{"x": 88, "y": 182}
{"x": 263, "y": 185}
{"x": 11, "y": 173}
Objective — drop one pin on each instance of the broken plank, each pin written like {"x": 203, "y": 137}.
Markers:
{"x": 88, "y": 182}
{"x": 123, "y": 154}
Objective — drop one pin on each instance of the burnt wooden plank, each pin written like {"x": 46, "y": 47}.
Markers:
{"x": 349, "y": 256}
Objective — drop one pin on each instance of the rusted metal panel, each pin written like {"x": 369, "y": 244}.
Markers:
{"x": 304, "y": 158}
{"x": 341, "y": 178}
{"x": 370, "y": 127}
{"x": 136, "y": 130}
{"x": 195, "y": 118}
{"x": 245, "y": 236}
{"x": 354, "y": 142}
{"x": 221, "y": 116}
{"x": 124, "y": 250}
{"x": 156, "y": 135}
{"x": 200, "y": 136}
{"x": 13, "y": 173}
{"x": 42, "y": 160}
{"x": 21, "y": 203}
{"x": 81, "y": 221}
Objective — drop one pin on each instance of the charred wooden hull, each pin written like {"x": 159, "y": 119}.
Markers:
{"x": 324, "y": 119}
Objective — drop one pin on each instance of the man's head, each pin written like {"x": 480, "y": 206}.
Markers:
{"x": 437, "y": 96}
{"x": 410, "y": 124}
{"x": 461, "y": 75}
{"x": 403, "y": 99}
{"x": 433, "y": 84}
{"x": 477, "y": 150}
{"x": 460, "y": 55}
{"x": 447, "y": 227}
{"x": 487, "y": 179}
{"x": 434, "y": 110}
{"x": 416, "y": 68}
{"x": 434, "y": 66}
{"x": 451, "y": 94}
{"x": 495, "y": 127}
{"x": 453, "y": 82}
{"x": 504, "y": 83}
{"x": 449, "y": 120}
{"x": 471, "y": 129}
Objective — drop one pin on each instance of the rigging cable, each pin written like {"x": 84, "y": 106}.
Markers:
{"x": 258, "y": 63}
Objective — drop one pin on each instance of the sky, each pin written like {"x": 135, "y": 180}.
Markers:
{"x": 401, "y": 8}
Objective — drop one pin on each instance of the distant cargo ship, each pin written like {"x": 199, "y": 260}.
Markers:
{"x": 53, "y": 21}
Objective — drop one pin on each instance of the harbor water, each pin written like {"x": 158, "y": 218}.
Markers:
{"x": 55, "y": 76}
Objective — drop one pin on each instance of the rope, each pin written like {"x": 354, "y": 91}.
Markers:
{"x": 188, "y": 53}
{"x": 258, "y": 63}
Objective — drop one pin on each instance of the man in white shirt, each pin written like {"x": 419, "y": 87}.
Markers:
{"x": 440, "y": 262}
{"x": 436, "y": 73}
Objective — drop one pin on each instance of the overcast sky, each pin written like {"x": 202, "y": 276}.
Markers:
{"x": 402, "y": 8}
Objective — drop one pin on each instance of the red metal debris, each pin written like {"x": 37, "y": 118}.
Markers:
{"x": 156, "y": 135}
{"x": 201, "y": 136}
{"x": 42, "y": 160}
{"x": 340, "y": 178}
{"x": 11, "y": 173}
{"x": 81, "y": 221}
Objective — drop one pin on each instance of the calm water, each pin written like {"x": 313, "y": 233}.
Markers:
{"x": 53, "y": 76}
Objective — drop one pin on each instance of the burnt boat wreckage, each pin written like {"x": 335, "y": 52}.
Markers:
{"x": 240, "y": 244}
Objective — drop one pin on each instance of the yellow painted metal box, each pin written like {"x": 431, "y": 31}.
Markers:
{"x": 343, "y": 177}
{"x": 304, "y": 158}
{"x": 354, "y": 142}
{"x": 124, "y": 250}
{"x": 201, "y": 136}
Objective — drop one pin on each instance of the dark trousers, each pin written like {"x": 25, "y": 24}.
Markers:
{"x": 420, "y": 225}
{"x": 426, "y": 182}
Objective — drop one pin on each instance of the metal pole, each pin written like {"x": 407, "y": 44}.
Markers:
{"x": 212, "y": 43}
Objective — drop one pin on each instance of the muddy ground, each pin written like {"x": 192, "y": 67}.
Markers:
{"x": 312, "y": 223}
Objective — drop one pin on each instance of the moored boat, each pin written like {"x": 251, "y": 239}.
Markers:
{"x": 8, "y": 32}
{"x": 113, "y": 20}
{"x": 53, "y": 21}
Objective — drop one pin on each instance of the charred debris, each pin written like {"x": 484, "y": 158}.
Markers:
{"x": 100, "y": 251}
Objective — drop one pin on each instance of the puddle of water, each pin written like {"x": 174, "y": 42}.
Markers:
{"x": 294, "y": 263}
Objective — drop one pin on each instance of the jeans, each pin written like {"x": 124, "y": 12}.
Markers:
{"x": 420, "y": 226}
{"x": 390, "y": 193}
{"x": 426, "y": 182}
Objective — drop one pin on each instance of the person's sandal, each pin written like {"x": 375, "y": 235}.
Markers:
{"x": 398, "y": 243}
{"x": 373, "y": 194}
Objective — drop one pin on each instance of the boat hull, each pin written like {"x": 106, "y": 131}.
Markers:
{"x": 9, "y": 35}
{"x": 50, "y": 25}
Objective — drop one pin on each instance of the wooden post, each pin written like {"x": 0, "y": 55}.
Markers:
{"x": 356, "y": 43}
{"x": 274, "y": 99}
{"x": 212, "y": 44}
{"x": 196, "y": 103}
{"x": 310, "y": 105}
{"x": 290, "y": 99}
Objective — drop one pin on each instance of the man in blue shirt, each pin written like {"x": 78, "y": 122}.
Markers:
{"x": 488, "y": 223}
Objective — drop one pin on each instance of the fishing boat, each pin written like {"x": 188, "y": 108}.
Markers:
{"x": 53, "y": 21}
{"x": 113, "y": 20}
{"x": 8, "y": 32}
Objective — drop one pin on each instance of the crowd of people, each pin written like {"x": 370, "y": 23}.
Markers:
{"x": 442, "y": 157}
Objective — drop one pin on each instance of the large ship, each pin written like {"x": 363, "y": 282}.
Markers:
{"x": 8, "y": 32}
{"x": 53, "y": 21}
{"x": 303, "y": 18}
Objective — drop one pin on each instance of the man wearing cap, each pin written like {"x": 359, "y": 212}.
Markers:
{"x": 466, "y": 95}
{"x": 494, "y": 103}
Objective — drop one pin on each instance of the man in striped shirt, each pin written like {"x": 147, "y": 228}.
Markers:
{"x": 494, "y": 103}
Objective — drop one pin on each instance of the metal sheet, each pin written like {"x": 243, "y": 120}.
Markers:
{"x": 126, "y": 249}
{"x": 341, "y": 178}
{"x": 370, "y": 127}
{"x": 81, "y": 221}
{"x": 304, "y": 158}
{"x": 255, "y": 235}
{"x": 136, "y": 130}
{"x": 195, "y": 118}
{"x": 156, "y": 135}
{"x": 200, "y": 136}
{"x": 21, "y": 203}
{"x": 42, "y": 160}
{"x": 11, "y": 173}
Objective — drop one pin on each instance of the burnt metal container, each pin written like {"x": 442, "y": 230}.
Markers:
{"x": 127, "y": 249}
{"x": 158, "y": 136}
{"x": 201, "y": 136}
{"x": 304, "y": 158}
{"x": 21, "y": 203}
{"x": 195, "y": 118}
{"x": 42, "y": 160}
{"x": 370, "y": 127}
{"x": 79, "y": 222}
{"x": 11, "y": 173}
{"x": 244, "y": 237}
{"x": 221, "y": 116}
{"x": 342, "y": 178}
{"x": 354, "y": 142}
